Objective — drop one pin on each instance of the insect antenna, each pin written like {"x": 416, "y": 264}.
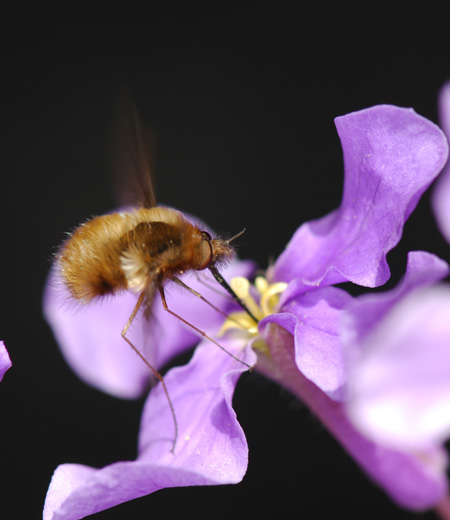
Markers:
{"x": 153, "y": 369}
{"x": 199, "y": 331}
{"x": 237, "y": 235}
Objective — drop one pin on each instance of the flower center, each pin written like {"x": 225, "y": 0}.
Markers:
{"x": 261, "y": 299}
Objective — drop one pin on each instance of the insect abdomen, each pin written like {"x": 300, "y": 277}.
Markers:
{"x": 124, "y": 250}
{"x": 90, "y": 259}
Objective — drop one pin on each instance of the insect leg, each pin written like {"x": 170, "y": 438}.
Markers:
{"x": 210, "y": 286}
{"x": 153, "y": 369}
{"x": 203, "y": 334}
{"x": 198, "y": 295}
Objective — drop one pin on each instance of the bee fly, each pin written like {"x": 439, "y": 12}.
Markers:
{"x": 140, "y": 250}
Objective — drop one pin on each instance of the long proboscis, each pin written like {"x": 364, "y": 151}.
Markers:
{"x": 230, "y": 291}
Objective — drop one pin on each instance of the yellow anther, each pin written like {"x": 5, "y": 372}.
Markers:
{"x": 241, "y": 286}
{"x": 261, "y": 284}
{"x": 269, "y": 299}
{"x": 240, "y": 322}
{"x": 269, "y": 296}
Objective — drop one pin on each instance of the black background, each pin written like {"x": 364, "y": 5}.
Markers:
{"x": 242, "y": 101}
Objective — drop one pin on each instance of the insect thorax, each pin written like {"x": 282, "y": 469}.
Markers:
{"x": 156, "y": 251}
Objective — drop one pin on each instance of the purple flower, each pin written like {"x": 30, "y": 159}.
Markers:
{"x": 413, "y": 474}
{"x": 391, "y": 155}
{"x": 5, "y": 362}
{"x": 211, "y": 447}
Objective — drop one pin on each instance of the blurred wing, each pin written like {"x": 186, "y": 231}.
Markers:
{"x": 131, "y": 155}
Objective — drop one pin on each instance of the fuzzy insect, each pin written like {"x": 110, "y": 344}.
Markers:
{"x": 140, "y": 250}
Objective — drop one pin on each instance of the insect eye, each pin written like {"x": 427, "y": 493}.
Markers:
{"x": 206, "y": 252}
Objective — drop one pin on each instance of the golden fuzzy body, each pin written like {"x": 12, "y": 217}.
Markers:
{"x": 137, "y": 250}
{"x": 141, "y": 249}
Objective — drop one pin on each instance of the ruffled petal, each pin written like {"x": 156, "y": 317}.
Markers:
{"x": 313, "y": 319}
{"x": 391, "y": 155}
{"x": 422, "y": 270}
{"x": 211, "y": 447}
{"x": 441, "y": 193}
{"x": 400, "y": 389}
{"x": 5, "y": 361}
{"x": 89, "y": 336}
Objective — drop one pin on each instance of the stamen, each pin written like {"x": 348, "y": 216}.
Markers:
{"x": 246, "y": 324}
{"x": 268, "y": 302}
{"x": 241, "y": 286}
{"x": 269, "y": 299}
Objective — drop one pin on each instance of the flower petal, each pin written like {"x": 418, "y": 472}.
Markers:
{"x": 441, "y": 192}
{"x": 313, "y": 319}
{"x": 5, "y": 362}
{"x": 391, "y": 155}
{"x": 211, "y": 447}
{"x": 400, "y": 390}
{"x": 423, "y": 269}
{"x": 89, "y": 336}
{"x": 201, "y": 392}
